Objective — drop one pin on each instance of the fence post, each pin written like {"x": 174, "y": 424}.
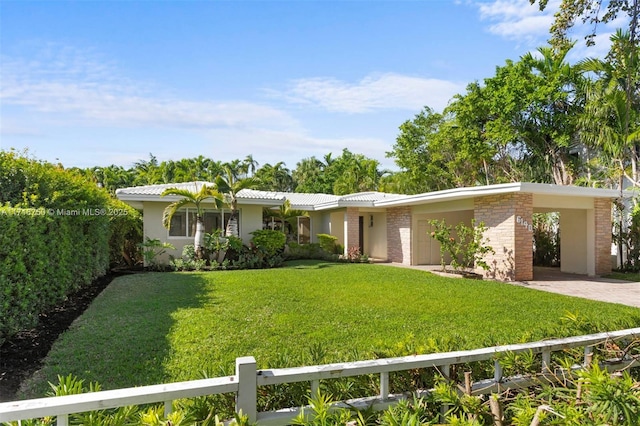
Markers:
{"x": 445, "y": 370}
{"x": 588, "y": 356}
{"x": 546, "y": 361}
{"x": 384, "y": 385}
{"x": 247, "y": 397}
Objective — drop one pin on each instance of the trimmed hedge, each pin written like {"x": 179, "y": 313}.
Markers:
{"x": 43, "y": 258}
{"x": 57, "y": 232}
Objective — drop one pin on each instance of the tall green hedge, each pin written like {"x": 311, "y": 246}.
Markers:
{"x": 55, "y": 235}
{"x": 43, "y": 258}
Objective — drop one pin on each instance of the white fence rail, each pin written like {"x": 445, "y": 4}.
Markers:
{"x": 247, "y": 379}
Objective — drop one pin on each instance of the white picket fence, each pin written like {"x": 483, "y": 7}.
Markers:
{"x": 248, "y": 378}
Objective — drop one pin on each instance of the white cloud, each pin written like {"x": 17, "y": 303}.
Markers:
{"x": 373, "y": 92}
{"x": 518, "y": 20}
{"x": 271, "y": 146}
{"x": 87, "y": 92}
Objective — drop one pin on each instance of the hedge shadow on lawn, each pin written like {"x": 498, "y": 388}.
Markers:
{"x": 131, "y": 350}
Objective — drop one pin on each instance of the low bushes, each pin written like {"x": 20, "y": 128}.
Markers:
{"x": 266, "y": 250}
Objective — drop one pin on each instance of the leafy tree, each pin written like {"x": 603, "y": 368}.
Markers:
{"x": 147, "y": 171}
{"x": 428, "y": 156}
{"x": 611, "y": 120}
{"x": 345, "y": 174}
{"x": 274, "y": 178}
{"x": 591, "y": 11}
{"x": 196, "y": 199}
{"x": 360, "y": 175}
{"x": 310, "y": 176}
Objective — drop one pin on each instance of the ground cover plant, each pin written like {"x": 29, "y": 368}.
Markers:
{"x": 160, "y": 327}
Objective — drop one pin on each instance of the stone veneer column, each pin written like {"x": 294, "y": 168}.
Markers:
{"x": 508, "y": 218}
{"x": 399, "y": 235}
{"x": 603, "y": 224}
{"x": 352, "y": 231}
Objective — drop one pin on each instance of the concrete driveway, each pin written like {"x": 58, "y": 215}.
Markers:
{"x": 603, "y": 289}
{"x": 554, "y": 281}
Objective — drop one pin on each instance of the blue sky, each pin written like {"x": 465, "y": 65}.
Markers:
{"x": 89, "y": 83}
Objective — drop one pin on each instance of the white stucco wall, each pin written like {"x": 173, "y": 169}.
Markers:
{"x": 336, "y": 226}
{"x": 574, "y": 241}
{"x": 250, "y": 220}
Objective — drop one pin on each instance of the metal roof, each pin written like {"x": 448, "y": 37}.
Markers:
{"x": 314, "y": 202}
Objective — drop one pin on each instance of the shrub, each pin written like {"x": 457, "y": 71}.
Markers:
{"x": 151, "y": 249}
{"x": 311, "y": 251}
{"x": 327, "y": 242}
{"x": 268, "y": 241}
{"x": 354, "y": 256}
{"x": 125, "y": 227}
{"x": 546, "y": 239}
{"x": 466, "y": 249}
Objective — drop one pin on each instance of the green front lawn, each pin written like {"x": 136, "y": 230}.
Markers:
{"x": 159, "y": 327}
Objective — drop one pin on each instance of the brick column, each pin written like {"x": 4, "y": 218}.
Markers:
{"x": 352, "y": 231}
{"x": 399, "y": 235}
{"x": 524, "y": 236}
{"x": 508, "y": 218}
{"x": 603, "y": 224}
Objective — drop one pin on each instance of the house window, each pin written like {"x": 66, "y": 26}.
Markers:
{"x": 183, "y": 222}
{"x": 178, "y": 226}
{"x": 304, "y": 230}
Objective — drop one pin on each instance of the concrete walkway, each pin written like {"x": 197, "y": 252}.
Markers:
{"x": 554, "y": 281}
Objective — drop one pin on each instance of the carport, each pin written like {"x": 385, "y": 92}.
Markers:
{"x": 507, "y": 212}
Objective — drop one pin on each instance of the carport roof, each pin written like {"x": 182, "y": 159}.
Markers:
{"x": 481, "y": 191}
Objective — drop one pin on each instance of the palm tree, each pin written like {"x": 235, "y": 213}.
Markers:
{"x": 284, "y": 214}
{"x": 196, "y": 199}
{"x": 611, "y": 116}
{"x": 249, "y": 165}
{"x": 554, "y": 105}
{"x": 230, "y": 186}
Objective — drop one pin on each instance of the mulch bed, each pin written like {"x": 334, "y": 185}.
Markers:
{"x": 22, "y": 355}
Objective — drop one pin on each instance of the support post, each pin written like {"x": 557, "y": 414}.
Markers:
{"x": 62, "y": 420}
{"x": 588, "y": 356}
{"x": 384, "y": 385}
{"x": 497, "y": 375}
{"x": 315, "y": 388}
{"x": 546, "y": 361}
{"x": 445, "y": 370}
{"x": 247, "y": 397}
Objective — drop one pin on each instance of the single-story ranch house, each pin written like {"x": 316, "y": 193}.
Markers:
{"x": 395, "y": 227}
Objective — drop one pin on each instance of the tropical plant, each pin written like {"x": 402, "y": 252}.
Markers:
{"x": 285, "y": 215}
{"x": 151, "y": 249}
{"x": 196, "y": 199}
{"x": 274, "y": 178}
{"x": 230, "y": 185}
{"x": 467, "y": 249}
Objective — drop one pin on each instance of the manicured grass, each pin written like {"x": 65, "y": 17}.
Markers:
{"x": 627, "y": 276}
{"x": 159, "y": 327}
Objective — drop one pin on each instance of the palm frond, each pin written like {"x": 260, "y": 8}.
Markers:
{"x": 171, "y": 210}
